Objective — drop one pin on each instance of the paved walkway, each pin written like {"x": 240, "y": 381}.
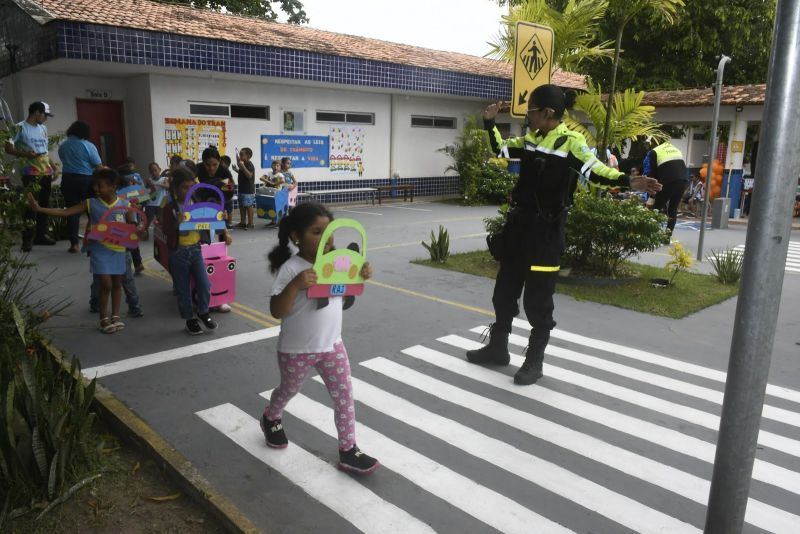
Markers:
{"x": 618, "y": 437}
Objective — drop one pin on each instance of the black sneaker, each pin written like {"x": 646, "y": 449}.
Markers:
{"x": 355, "y": 461}
{"x": 135, "y": 312}
{"x": 273, "y": 433}
{"x": 208, "y": 322}
{"x": 193, "y": 327}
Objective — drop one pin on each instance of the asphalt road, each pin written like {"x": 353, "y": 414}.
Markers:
{"x": 618, "y": 437}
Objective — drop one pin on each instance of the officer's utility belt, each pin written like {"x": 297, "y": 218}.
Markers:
{"x": 525, "y": 214}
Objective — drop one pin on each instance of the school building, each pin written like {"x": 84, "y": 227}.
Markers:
{"x": 689, "y": 113}
{"x": 154, "y": 79}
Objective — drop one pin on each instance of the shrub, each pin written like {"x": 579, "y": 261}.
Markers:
{"x": 601, "y": 233}
{"x": 44, "y": 410}
{"x": 727, "y": 264}
{"x": 439, "y": 248}
{"x": 494, "y": 184}
{"x": 681, "y": 260}
{"x": 469, "y": 155}
{"x": 494, "y": 225}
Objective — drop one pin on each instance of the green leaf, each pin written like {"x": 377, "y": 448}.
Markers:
{"x": 19, "y": 322}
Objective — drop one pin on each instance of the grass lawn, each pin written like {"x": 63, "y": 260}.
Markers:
{"x": 691, "y": 292}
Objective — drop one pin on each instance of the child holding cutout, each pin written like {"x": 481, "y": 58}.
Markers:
{"x": 311, "y": 336}
{"x": 107, "y": 262}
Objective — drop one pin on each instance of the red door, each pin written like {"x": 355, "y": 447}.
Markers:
{"x": 106, "y": 121}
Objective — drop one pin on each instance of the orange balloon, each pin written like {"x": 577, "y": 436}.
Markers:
{"x": 703, "y": 171}
{"x": 718, "y": 165}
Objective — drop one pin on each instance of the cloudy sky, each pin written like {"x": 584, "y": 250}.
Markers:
{"x": 454, "y": 25}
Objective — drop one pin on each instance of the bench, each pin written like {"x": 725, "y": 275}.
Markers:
{"x": 370, "y": 191}
{"x": 407, "y": 189}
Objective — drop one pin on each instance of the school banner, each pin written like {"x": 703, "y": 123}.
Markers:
{"x": 189, "y": 137}
{"x": 304, "y": 150}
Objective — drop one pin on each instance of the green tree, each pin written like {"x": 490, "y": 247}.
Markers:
{"x": 629, "y": 117}
{"x": 575, "y": 28}
{"x": 254, "y": 8}
{"x": 620, "y": 13}
{"x": 685, "y": 54}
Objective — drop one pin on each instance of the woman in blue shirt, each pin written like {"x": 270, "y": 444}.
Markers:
{"x": 79, "y": 159}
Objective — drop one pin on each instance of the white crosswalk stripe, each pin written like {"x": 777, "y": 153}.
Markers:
{"x": 792, "y": 256}
{"x": 351, "y": 500}
{"x": 637, "y": 466}
{"x": 476, "y": 500}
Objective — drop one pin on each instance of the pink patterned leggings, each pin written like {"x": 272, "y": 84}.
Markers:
{"x": 334, "y": 368}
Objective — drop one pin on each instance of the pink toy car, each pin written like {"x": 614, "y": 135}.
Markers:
{"x": 221, "y": 270}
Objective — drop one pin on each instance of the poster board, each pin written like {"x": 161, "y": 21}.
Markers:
{"x": 303, "y": 150}
{"x": 189, "y": 137}
{"x": 347, "y": 149}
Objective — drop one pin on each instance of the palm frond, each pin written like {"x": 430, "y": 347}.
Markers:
{"x": 575, "y": 30}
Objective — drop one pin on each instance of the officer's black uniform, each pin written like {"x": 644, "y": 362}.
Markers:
{"x": 530, "y": 247}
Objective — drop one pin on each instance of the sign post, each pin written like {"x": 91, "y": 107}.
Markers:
{"x": 533, "y": 63}
{"x": 766, "y": 247}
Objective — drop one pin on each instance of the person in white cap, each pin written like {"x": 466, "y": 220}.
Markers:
{"x": 30, "y": 146}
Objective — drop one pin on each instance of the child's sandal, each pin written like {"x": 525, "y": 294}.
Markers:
{"x": 106, "y": 326}
{"x": 119, "y": 325}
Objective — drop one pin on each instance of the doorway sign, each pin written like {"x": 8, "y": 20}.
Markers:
{"x": 533, "y": 63}
{"x": 303, "y": 150}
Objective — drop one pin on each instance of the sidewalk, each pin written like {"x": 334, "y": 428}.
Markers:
{"x": 742, "y": 221}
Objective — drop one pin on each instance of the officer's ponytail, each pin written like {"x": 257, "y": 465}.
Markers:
{"x": 570, "y": 96}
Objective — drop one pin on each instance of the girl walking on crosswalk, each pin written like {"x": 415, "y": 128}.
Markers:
{"x": 311, "y": 334}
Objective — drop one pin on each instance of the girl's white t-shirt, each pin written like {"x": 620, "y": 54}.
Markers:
{"x": 306, "y": 329}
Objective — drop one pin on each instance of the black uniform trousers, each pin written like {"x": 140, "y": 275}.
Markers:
{"x": 43, "y": 199}
{"x": 528, "y": 242}
{"x": 670, "y": 198}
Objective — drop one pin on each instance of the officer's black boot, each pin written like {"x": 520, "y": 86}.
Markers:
{"x": 495, "y": 352}
{"x": 531, "y": 369}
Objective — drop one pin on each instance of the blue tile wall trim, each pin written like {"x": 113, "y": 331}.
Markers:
{"x": 124, "y": 45}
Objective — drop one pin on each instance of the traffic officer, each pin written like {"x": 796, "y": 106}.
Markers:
{"x": 668, "y": 167}
{"x": 554, "y": 160}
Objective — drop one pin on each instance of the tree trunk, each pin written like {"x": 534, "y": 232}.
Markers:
{"x": 601, "y": 147}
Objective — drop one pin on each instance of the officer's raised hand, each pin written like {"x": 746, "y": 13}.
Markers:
{"x": 645, "y": 183}
{"x": 492, "y": 111}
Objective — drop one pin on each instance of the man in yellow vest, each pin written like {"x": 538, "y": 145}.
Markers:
{"x": 669, "y": 168}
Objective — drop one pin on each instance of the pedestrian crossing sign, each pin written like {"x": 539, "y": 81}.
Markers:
{"x": 533, "y": 63}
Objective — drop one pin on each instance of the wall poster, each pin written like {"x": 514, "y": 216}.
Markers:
{"x": 189, "y": 137}
{"x": 303, "y": 150}
{"x": 347, "y": 149}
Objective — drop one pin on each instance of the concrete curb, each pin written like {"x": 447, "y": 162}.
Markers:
{"x": 132, "y": 429}
{"x": 743, "y": 222}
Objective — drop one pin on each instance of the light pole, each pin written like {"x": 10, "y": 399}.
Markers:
{"x": 712, "y": 153}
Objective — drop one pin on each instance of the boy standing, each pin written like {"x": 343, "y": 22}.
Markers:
{"x": 247, "y": 187}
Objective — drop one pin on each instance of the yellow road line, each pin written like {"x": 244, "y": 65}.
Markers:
{"x": 453, "y": 303}
{"x": 257, "y": 313}
{"x": 410, "y": 243}
{"x": 239, "y": 309}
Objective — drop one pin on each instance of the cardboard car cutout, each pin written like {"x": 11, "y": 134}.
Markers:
{"x": 134, "y": 193}
{"x": 339, "y": 270}
{"x": 221, "y": 270}
{"x": 114, "y": 232}
{"x": 273, "y": 206}
{"x": 202, "y": 215}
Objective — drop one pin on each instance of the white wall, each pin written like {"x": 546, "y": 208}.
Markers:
{"x": 170, "y": 96}
{"x": 62, "y": 91}
{"x": 415, "y": 149}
